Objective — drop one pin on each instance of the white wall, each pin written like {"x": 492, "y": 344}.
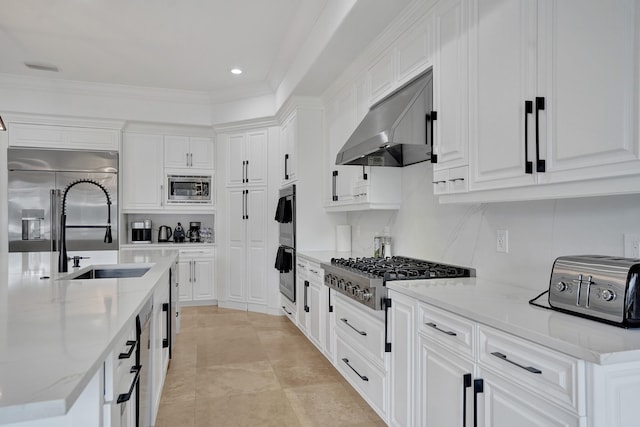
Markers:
{"x": 539, "y": 231}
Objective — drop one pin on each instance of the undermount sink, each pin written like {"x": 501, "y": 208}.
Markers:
{"x": 116, "y": 271}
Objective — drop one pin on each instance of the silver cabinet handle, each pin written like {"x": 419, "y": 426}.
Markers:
{"x": 434, "y": 326}
{"x": 187, "y": 161}
{"x": 161, "y": 195}
{"x": 362, "y": 377}
{"x": 506, "y": 359}
{"x": 346, "y": 322}
{"x": 190, "y": 159}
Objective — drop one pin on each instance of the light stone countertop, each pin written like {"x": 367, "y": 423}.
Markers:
{"x": 325, "y": 256}
{"x": 507, "y": 308}
{"x": 55, "y": 334}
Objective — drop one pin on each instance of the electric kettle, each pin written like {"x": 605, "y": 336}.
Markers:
{"x": 164, "y": 233}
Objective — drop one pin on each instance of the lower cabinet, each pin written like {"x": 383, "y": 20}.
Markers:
{"x": 311, "y": 301}
{"x": 121, "y": 381}
{"x": 196, "y": 276}
{"x": 159, "y": 344}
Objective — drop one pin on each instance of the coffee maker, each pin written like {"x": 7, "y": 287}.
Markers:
{"x": 194, "y": 231}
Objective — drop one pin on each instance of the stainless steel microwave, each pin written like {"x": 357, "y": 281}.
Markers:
{"x": 189, "y": 189}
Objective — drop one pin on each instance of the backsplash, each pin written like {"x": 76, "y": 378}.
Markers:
{"x": 539, "y": 231}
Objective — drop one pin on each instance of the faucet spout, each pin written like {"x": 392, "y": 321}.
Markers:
{"x": 62, "y": 252}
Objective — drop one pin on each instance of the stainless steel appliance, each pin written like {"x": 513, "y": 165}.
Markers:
{"x": 364, "y": 279}
{"x": 189, "y": 189}
{"x": 194, "y": 231}
{"x": 602, "y": 288}
{"x": 397, "y": 131}
{"x": 141, "y": 231}
{"x": 178, "y": 234}
{"x": 286, "y": 254}
{"x": 37, "y": 178}
{"x": 164, "y": 233}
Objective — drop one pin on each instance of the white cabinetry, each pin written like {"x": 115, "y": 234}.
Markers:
{"x": 159, "y": 349}
{"x": 120, "y": 381}
{"x": 541, "y": 113}
{"x": 450, "y": 97}
{"x": 188, "y": 152}
{"x": 401, "y": 380}
{"x": 289, "y": 150}
{"x": 58, "y": 137}
{"x": 312, "y": 301}
{"x": 247, "y": 157}
{"x": 196, "y": 277}
{"x": 246, "y": 287}
{"x": 142, "y": 171}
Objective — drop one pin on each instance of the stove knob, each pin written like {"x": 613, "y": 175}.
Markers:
{"x": 340, "y": 284}
{"x": 561, "y": 286}
{"x": 348, "y": 286}
{"x": 608, "y": 295}
{"x": 365, "y": 295}
{"x": 355, "y": 290}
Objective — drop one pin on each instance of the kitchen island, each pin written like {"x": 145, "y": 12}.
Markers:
{"x": 55, "y": 333}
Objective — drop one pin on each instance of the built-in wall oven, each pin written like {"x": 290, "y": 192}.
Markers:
{"x": 286, "y": 254}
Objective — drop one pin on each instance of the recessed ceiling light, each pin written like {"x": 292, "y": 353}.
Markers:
{"x": 42, "y": 66}
{"x": 236, "y": 71}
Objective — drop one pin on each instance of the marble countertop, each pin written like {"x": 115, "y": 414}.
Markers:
{"x": 507, "y": 308}
{"x": 325, "y": 256}
{"x": 55, "y": 333}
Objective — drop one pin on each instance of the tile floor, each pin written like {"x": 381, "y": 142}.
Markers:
{"x": 233, "y": 368}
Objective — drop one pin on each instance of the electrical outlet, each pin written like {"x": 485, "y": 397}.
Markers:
{"x": 631, "y": 245}
{"x": 502, "y": 241}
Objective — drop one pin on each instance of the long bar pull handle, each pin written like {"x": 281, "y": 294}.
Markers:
{"x": 191, "y": 159}
{"x": 187, "y": 159}
{"x": 195, "y": 271}
{"x": 54, "y": 217}
{"x": 334, "y": 184}
{"x": 386, "y": 302}
{"x": 306, "y": 291}
{"x": 165, "y": 308}
{"x": 506, "y": 359}
{"x": 346, "y": 322}
{"x": 330, "y": 305}
{"x": 362, "y": 377}
{"x": 466, "y": 383}
{"x": 286, "y": 161}
{"x": 540, "y": 163}
{"x": 124, "y": 397}
{"x": 528, "y": 164}
{"x": 478, "y": 387}
{"x": 246, "y": 204}
{"x": 434, "y": 156}
{"x": 246, "y": 166}
{"x": 129, "y": 352}
{"x": 434, "y": 326}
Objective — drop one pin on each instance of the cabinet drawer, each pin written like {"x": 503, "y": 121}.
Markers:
{"x": 459, "y": 179}
{"x": 315, "y": 272}
{"x": 360, "y": 329}
{"x": 288, "y": 308}
{"x": 551, "y": 375}
{"x": 447, "y": 329}
{"x": 367, "y": 379}
{"x": 441, "y": 181}
{"x": 117, "y": 367}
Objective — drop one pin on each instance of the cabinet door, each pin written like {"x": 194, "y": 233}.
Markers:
{"x": 315, "y": 316}
{"x": 504, "y": 404}
{"x": 201, "y": 150}
{"x": 382, "y": 76}
{"x": 413, "y": 51}
{"x": 256, "y": 157}
{"x": 401, "y": 408}
{"x": 444, "y": 398}
{"x": 256, "y": 256}
{"x": 236, "y": 229}
{"x": 329, "y": 325}
{"x": 501, "y": 76}
{"x": 450, "y": 97}
{"x": 592, "y": 107}
{"x": 142, "y": 174}
{"x": 236, "y": 159}
{"x": 176, "y": 152}
{"x": 341, "y": 122}
{"x": 288, "y": 150}
{"x": 203, "y": 286}
{"x": 185, "y": 286}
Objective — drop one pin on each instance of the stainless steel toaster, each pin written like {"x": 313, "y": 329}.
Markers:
{"x": 603, "y": 288}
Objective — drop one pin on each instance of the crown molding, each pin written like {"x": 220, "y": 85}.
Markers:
{"x": 168, "y": 129}
{"x": 296, "y": 102}
{"x": 246, "y": 125}
{"x": 53, "y": 120}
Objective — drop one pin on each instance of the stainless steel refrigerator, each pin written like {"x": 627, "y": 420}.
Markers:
{"x": 37, "y": 180}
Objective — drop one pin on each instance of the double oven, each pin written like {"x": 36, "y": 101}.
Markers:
{"x": 286, "y": 254}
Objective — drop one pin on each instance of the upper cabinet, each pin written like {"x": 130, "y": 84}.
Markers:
{"x": 247, "y": 157}
{"x": 553, "y": 95}
{"x": 449, "y": 117}
{"x": 185, "y": 152}
{"x": 288, "y": 150}
{"x": 142, "y": 172}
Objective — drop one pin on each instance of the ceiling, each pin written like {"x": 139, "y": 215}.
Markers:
{"x": 184, "y": 44}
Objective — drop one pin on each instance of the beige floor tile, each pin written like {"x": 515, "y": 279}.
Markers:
{"x": 298, "y": 375}
{"x": 233, "y": 379}
{"x": 176, "y": 413}
{"x": 232, "y": 350}
{"x": 180, "y": 384}
{"x": 326, "y": 405}
{"x": 268, "y": 409}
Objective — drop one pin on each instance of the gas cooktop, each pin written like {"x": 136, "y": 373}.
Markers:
{"x": 363, "y": 279}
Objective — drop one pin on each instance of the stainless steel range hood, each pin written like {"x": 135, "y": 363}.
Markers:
{"x": 394, "y": 131}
